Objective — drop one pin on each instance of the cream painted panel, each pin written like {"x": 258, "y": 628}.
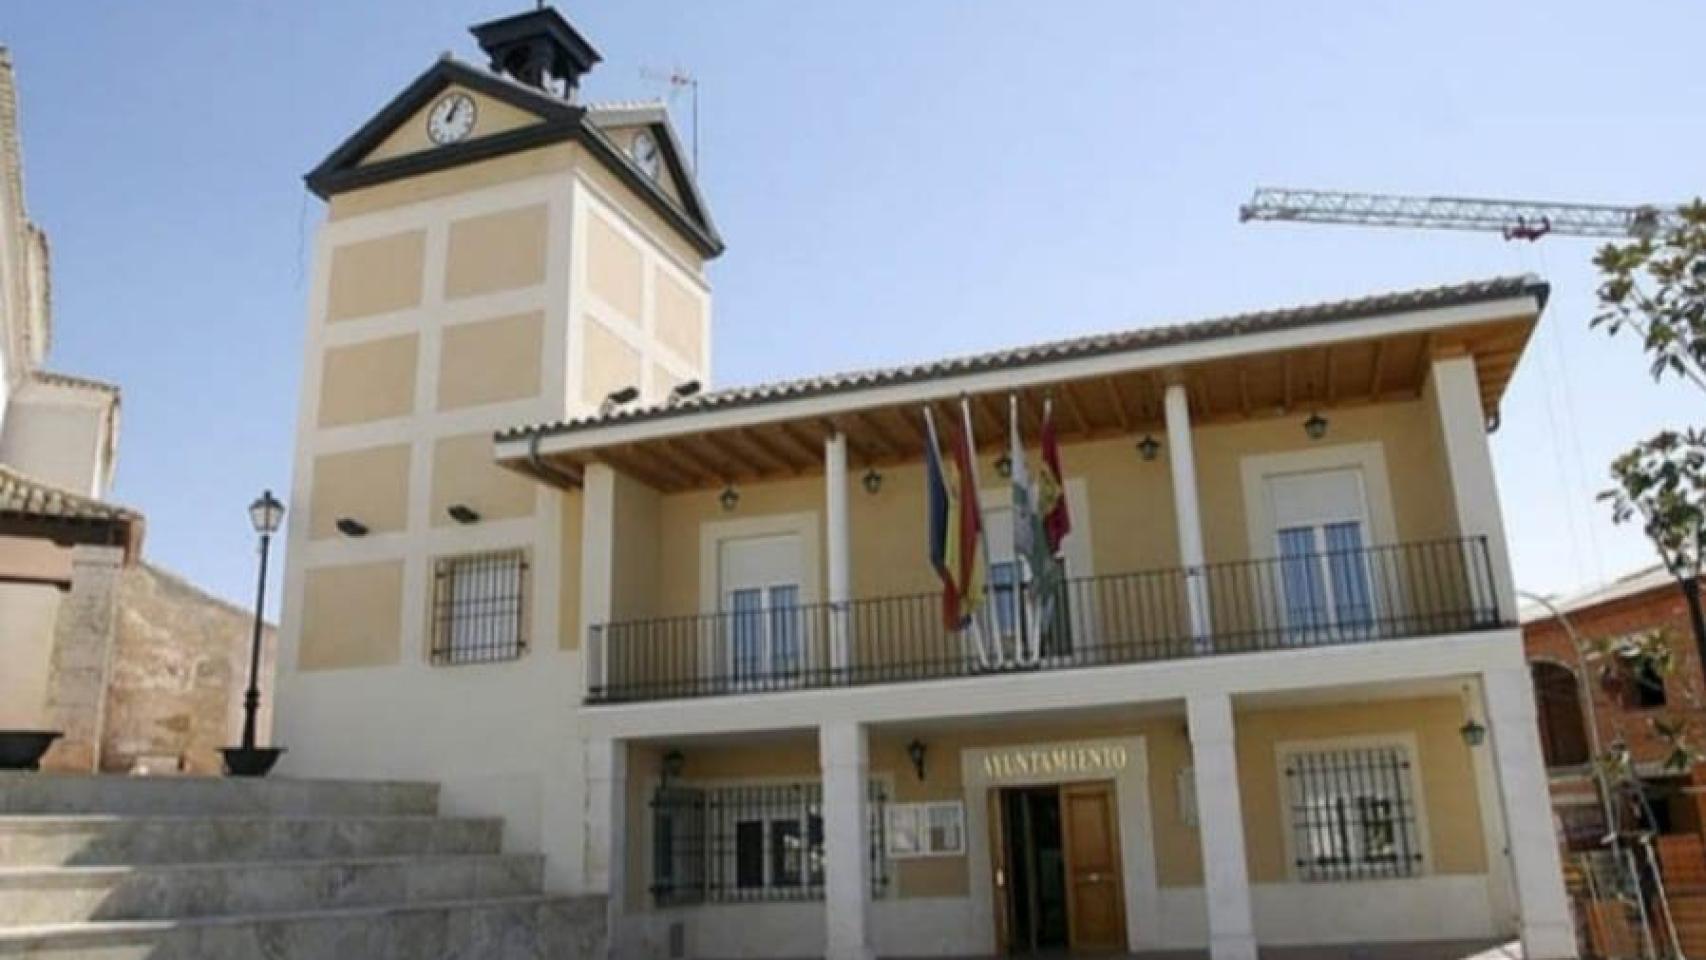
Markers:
{"x": 373, "y": 380}
{"x": 680, "y": 317}
{"x": 613, "y": 268}
{"x": 376, "y": 276}
{"x": 463, "y": 472}
{"x": 496, "y": 251}
{"x": 609, "y": 363}
{"x": 369, "y": 485}
{"x": 490, "y": 116}
{"x": 490, "y": 361}
{"x": 351, "y": 616}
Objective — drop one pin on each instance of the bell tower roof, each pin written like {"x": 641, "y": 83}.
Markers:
{"x": 536, "y": 47}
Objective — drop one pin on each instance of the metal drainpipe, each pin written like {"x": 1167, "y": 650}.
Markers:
{"x": 1618, "y": 854}
{"x": 557, "y": 475}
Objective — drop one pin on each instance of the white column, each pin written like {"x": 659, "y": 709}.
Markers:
{"x": 1469, "y": 460}
{"x": 845, "y": 755}
{"x": 838, "y": 539}
{"x": 1220, "y": 823}
{"x": 604, "y": 853}
{"x": 1513, "y": 731}
{"x": 598, "y": 555}
{"x": 1185, "y": 506}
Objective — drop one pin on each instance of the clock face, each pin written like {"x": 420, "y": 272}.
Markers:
{"x": 451, "y": 119}
{"x": 645, "y": 152}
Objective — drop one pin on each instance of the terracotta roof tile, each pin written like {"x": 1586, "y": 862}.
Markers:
{"x": 21, "y": 494}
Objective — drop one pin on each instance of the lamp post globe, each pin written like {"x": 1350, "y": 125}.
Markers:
{"x": 266, "y": 514}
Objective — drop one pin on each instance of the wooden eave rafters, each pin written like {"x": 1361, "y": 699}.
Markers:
{"x": 1240, "y": 388}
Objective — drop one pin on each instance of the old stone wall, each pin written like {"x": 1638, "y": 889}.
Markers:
{"x": 178, "y": 671}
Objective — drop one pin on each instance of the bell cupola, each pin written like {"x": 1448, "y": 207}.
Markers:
{"x": 538, "y": 48}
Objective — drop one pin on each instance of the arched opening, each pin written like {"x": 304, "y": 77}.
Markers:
{"x": 1558, "y": 701}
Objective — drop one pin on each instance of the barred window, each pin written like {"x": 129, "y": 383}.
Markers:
{"x": 1353, "y": 813}
{"x": 479, "y": 607}
{"x": 741, "y": 844}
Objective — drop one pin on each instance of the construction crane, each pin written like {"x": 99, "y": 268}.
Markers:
{"x": 1514, "y": 219}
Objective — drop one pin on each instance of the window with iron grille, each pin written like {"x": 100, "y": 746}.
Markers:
{"x": 479, "y": 607}
{"x": 742, "y": 844}
{"x": 1353, "y": 813}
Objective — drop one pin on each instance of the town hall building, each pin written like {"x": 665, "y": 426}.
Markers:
{"x": 687, "y": 639}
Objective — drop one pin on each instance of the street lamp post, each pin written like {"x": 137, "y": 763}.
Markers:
{"x": 248, "y": 760}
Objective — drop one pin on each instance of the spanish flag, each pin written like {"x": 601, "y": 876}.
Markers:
{"x": 955, "y": 525}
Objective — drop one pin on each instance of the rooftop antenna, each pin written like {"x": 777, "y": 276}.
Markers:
{"x": 679, "y": 80}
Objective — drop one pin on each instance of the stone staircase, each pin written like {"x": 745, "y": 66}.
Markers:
{"x": 183, "y": 869}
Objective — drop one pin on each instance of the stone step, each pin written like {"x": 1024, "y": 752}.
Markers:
{"x": 517, "y": 928}
{"x": 34, "y": 896}
{"x": 32, "y": 793}
{"x": 118, "y": 841}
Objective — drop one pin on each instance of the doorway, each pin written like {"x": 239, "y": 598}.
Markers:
{"x": 1057, "y": 869}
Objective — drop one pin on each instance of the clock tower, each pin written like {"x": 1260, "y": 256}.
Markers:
{"x": 496, "y": 250}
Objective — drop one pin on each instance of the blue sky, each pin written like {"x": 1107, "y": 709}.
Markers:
{"x": 895, "y": 181}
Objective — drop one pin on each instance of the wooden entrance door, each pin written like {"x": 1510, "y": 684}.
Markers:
{"x": 1095, "y": 894}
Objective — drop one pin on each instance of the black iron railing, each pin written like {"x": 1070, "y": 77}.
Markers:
{"x": 1303, "y": 600}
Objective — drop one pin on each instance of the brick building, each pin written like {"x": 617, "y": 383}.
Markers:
{"x": 1624, "y": 708}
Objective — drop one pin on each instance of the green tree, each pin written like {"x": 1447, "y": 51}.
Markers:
{"x": 1655, "y": 288}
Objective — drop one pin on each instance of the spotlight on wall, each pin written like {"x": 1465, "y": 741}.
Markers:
{"x": 729, "y": 498}
{"x": 1473, "y": 733}
{"x": 1149, "y": 447}
{"x": 1004, "y": 465}
{"x": 683, "y": 390}
{"x": 1315, "y": 426}
{"x": 616, "y": 398}
{"x": 872, "y": 480}
{"x": 671, "y": 767}
{"x": 351, "y": 527}
{"x": 915, "y": 753}
{"x": 462, "y": 513}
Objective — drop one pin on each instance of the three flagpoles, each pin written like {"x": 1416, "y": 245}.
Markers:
{"x": 959, "y": 542}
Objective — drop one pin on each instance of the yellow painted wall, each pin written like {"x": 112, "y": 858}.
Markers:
{"x": 613, "y": 268}
{"x": 351, "y": 616}
{"x": 490, "y": 116}
{"x": 496, "y": 251}
{"x": 1444, "y": 763}
{"x": 370, "y": 485}
{"x": 372, "y": 380}
{"x": 680, "y": 517}
{"x": 376, "y": 276}
{"x": 636, "y": 550}
{"x": 463, "y": 472}
{"x": 490, "y": 361}
{"x": 1415, "y": 466}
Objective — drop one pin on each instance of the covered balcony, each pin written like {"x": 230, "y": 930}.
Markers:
{"x": 1290, "y": 480}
